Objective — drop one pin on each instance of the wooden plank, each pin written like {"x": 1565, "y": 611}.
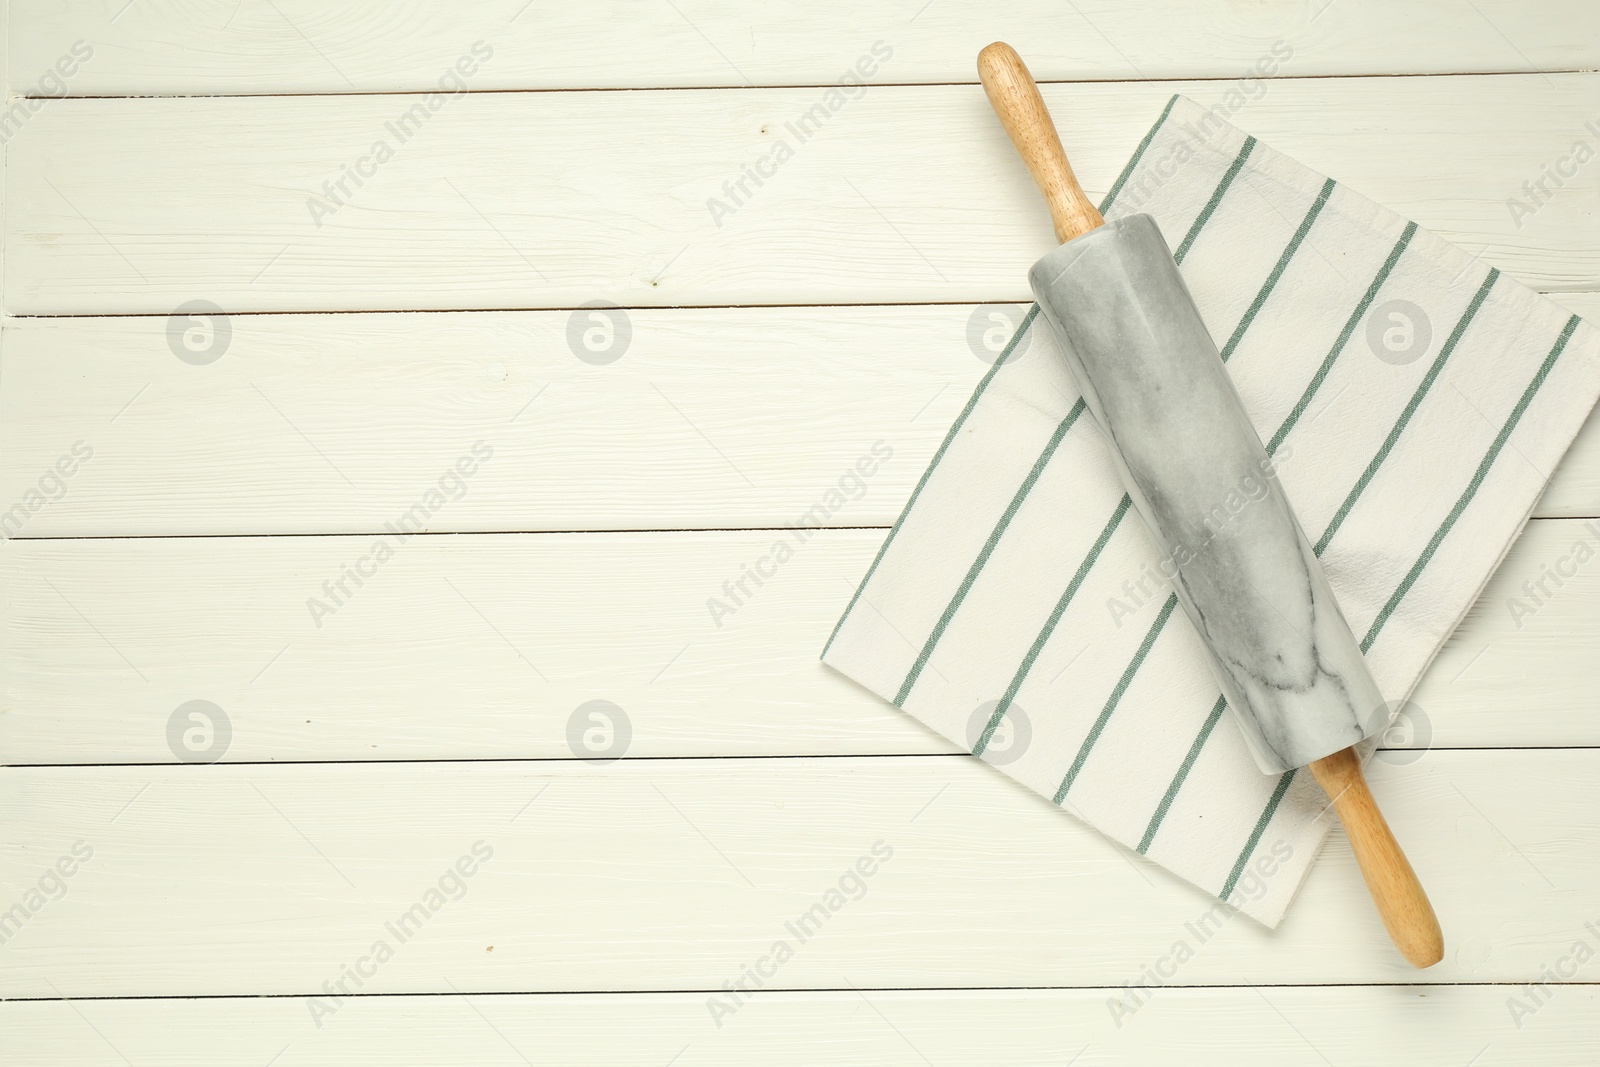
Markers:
{"x": 1438, "y": 1026}
{"x": 339, "y": 423}
{"x": 1518, "y": 649}
{"x": 518, "y": 200}
{"x": 486, "y": 647}
{"x": 678, "y": 874}
{"x": 510, "y": 634}
{"x": 734, "y": 418}
{"x": 300, "y": 46}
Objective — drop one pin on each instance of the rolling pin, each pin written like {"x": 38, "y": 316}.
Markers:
{"x": 1155, "y": 385}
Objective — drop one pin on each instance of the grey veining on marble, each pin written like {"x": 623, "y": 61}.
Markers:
{"x": 1241, "y": 566}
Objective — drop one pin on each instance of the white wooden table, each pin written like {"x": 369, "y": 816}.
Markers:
{"x": 244, "y": 344}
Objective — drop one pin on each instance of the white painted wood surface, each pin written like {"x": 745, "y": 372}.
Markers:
{"x": 622, "y": 898}
{"x": 518, "y": 200}
{"x": 483, "y": 647}
{"x": 715, "y": 417}
{"x": 1430, "y": 1026}
{"x": 677, "y": 874}
{"x": 302, "y": 46}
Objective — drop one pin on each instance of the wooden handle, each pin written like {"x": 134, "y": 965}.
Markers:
{"x": 1401, "y": 902}
{"x": 1015, "y": 98}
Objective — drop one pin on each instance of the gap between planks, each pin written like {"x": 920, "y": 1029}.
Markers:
{"x": 1220, "y": 78}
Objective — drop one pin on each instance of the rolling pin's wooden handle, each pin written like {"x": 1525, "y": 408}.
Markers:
{"x": 1401, "y": 901}
{"x": 1015, "y": 98}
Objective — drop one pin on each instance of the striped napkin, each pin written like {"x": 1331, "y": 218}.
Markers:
{"x": 1415, "y": 402}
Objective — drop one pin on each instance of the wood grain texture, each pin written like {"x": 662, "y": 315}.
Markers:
{"x": 340, "y": 423}
{"x": 301, "y": 46}
{"x": 678, "y": 874}
{"x": 673, "y": 874}
{"x": 1429, "y": 1026}
{"x": 1022, "y": 114}
{"x": 1401, "y": 900}
{"x": 103, "y": 640}
{"x": 519, "y": 200}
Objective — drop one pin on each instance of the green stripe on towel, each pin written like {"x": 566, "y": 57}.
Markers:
{"x": 1255, "y": 834}
{"x": 1138, "y": 154}
{"x": 1422, "y": 561}
{"x": 1344, "y": 510}
{"x": 1216, "y": 198}
{"x": 1050, "y": 625}
{"x": 1032, "y": 477}
{"x": 1277, "y": 269}
{"x": 1116, "y": 697}
{"x": 944, "y": 446}
{"x": 1472, "y": 486}
{"x": 1344, "y": 336}
{"x": 988, "y": 549}
{"x": 1183, "y": 772}
{"x": 1410, "y": 409}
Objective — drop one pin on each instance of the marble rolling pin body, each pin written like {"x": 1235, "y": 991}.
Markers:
{"x": 1240, "y": 565}
{"x": 1191, "y": 460}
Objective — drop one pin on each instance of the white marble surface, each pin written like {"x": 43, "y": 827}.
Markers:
{"x": 1240, "y": 564}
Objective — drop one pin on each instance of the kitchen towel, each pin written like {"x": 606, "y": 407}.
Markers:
{"x": 1414, "y": 401}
